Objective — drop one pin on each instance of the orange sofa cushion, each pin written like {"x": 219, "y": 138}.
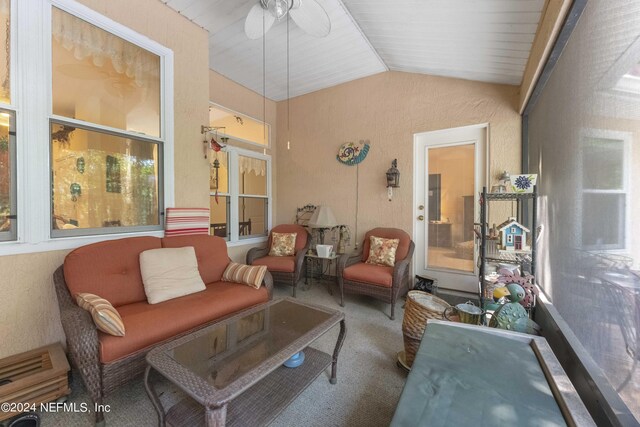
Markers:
{"x": 388, "y": 233}
{"x": 285, "y": 264}
{"x": 373, "y": 274}
{"x": 301, "y": 234}
{"x": 211, "y": 253}
{"x": 148, "y": 325}
{"x": 109, "y": 269}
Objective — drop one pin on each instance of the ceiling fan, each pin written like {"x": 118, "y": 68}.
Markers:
{"x": 307, "y": 14}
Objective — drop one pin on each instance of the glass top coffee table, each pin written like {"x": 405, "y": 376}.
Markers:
{"x": 233, "y": 370}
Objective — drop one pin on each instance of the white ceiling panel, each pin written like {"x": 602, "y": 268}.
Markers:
{"x": 485, "y": 40}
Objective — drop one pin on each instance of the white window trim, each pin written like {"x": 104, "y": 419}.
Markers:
{"x": 626, "y": 139}
{"x": 234, "y": 195}
{"x": 31, "y": 99}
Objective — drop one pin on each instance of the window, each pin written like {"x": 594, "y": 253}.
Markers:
{"x": 8, "y": 214}
{"x": 86, "y": 128}
{"x": 252, "y": 199}
{"x": 239, "y": 126}
{"x": 604, "y": 200}
{"x": 106, "y": 145}
{"x": 509, "y": 238}
{"x": 240, "y": 179}
{"x": 240, "y": 204}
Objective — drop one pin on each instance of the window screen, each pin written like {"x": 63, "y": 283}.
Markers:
{"x": 584, "y": 142}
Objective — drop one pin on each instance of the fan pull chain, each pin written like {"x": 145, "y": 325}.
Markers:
{"x": 288, "y": 97}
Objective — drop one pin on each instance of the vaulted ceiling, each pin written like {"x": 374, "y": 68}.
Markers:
{"x": 484, "y": 40}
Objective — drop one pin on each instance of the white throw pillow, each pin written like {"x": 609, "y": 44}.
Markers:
{"x": 170, "y": 273}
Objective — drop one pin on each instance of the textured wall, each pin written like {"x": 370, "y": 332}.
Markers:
{"x": 28, "y": 311}
{"x": 387, "y": 109}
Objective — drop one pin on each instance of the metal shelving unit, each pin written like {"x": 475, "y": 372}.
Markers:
{"x": 519, "y": 198}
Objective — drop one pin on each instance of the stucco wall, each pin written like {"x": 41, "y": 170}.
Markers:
{"x": 29, "y": 314}
{"x": 387, "y": 109}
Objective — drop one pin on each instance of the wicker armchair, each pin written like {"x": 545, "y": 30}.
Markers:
{"x": 283, "y": 269}
{"x": 381, "y": 282}
{"x": 83, "y": 346}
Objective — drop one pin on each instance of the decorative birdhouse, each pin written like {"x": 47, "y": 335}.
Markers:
{"x": 513, "y": 235}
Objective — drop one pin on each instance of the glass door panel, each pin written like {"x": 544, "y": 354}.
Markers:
{"x": 451, "y": 187}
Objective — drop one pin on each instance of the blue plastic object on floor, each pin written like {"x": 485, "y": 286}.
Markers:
{"x": 295, "y": 360}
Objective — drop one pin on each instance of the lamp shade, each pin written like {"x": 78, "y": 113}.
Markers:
{"x": 323, "y": 217}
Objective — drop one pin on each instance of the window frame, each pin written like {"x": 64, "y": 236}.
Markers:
{"x": 626, "y": 139}
{"x": 233, "y": 216}
{"x": 31, "y": 94}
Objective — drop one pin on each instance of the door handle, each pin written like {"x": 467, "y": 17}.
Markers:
{"x": 421, "y": 218}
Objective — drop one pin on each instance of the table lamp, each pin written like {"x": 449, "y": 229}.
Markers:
{"x": 322, "y": 219}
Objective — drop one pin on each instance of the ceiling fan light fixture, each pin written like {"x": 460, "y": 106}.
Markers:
{"x": 278, "y": 8}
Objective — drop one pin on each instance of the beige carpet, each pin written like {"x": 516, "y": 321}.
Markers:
{"x": 368, "y": 388}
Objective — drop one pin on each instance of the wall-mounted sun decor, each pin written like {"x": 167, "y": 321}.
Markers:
{"x": 352, "y": 153}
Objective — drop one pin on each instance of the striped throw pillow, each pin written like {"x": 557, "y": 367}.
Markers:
{"x": 186, "y": 221}
{"x": 105, "y": 316}
{"x": 251, "y": 275}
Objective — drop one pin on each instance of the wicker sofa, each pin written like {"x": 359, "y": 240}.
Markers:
{"x": 111, "y": 270}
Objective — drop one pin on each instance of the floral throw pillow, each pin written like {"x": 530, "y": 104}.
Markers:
{"x": 283, "y": 244}
{"x": 382, "y": 251}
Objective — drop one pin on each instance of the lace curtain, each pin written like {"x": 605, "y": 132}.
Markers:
{"x": 85, "y": 40}
{"x": 251, "y": 165}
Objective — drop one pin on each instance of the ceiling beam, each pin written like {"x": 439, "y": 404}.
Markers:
{"x": 554, "y": 14}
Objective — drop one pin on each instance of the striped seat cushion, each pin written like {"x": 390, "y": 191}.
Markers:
{"x": 186, "y": 221}
{"x": 105, "y": 316}
{"x": 251, "y": 275}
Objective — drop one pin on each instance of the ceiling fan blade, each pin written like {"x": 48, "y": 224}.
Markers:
{"x": 254, "y": 22}
{"x": 311, "y": 17}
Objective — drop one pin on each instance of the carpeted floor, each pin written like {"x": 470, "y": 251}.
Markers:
{"x": 368, "y": 388}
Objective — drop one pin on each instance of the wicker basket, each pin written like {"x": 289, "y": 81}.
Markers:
{"x": 420, "y": 307}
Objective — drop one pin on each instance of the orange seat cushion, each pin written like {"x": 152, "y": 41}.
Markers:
{"x": 147, "y": 325}
{"x": 373, "y": 274}
{"x": 109, "y": 269}
{"x": 277, "y": 263}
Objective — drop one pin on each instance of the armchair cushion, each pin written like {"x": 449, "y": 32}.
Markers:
{"x": 373, "y": 274}
{"x": 382, "y": 251}
{"x": 301, "y": 234}
{"x": 388, "y": 233}
{"x": 148, "y": 325}
{"x": 283, "y": 244}
{"x": 285, "y": 264}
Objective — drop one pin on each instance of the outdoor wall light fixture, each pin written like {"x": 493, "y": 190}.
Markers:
{"x": 393, "y": 178}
